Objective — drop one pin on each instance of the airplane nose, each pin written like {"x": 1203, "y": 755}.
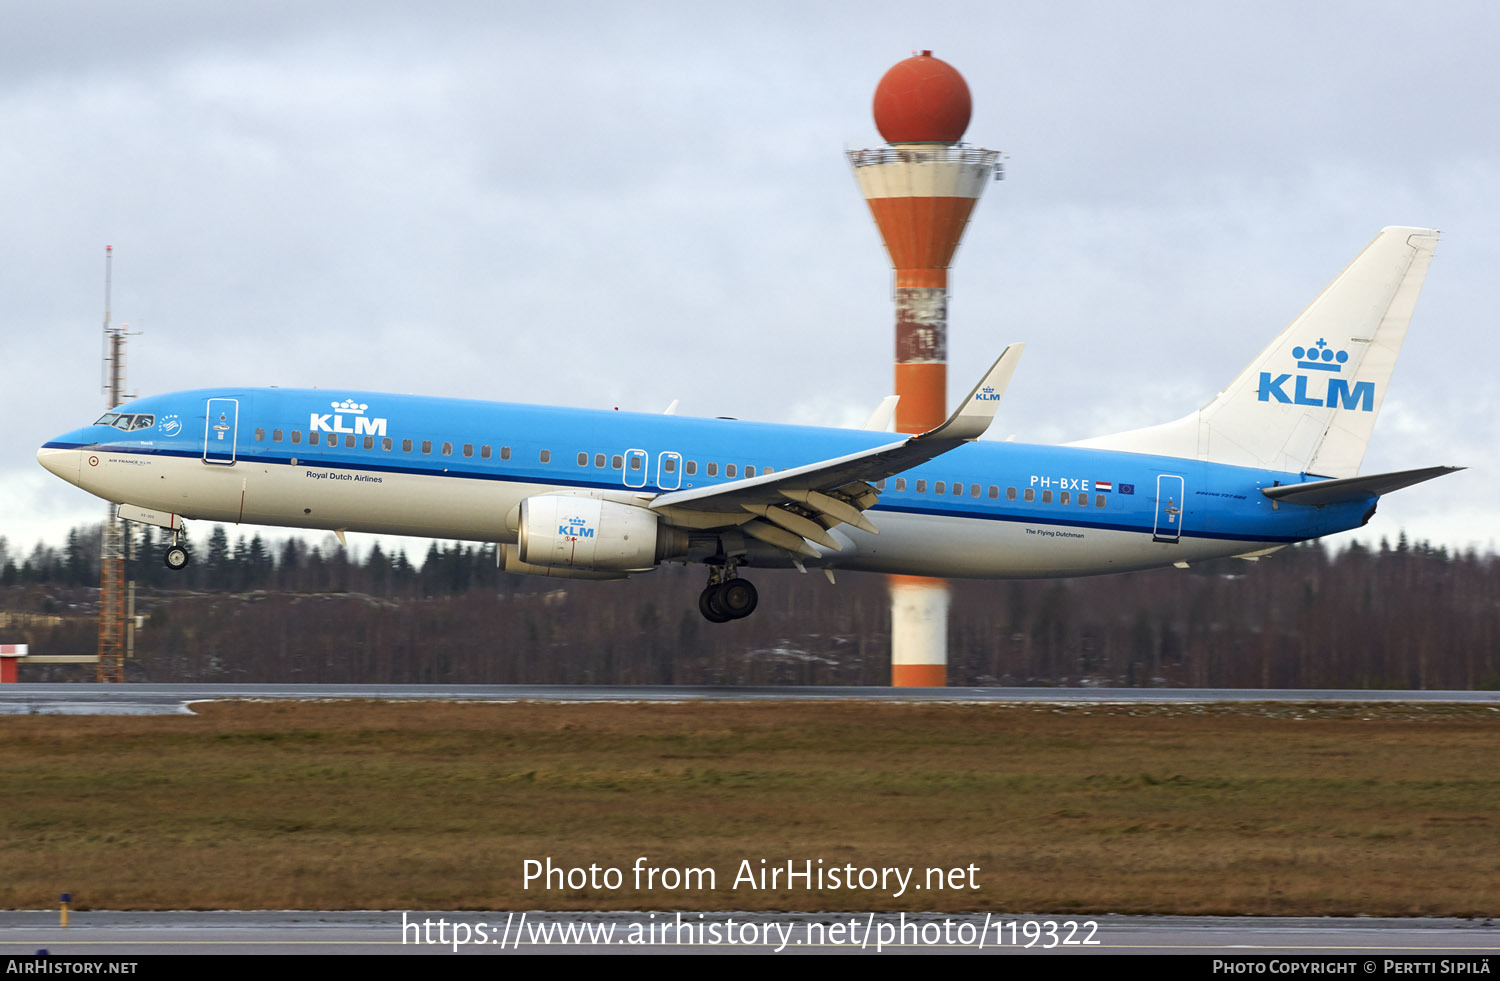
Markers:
{"x": 64, "y": 463}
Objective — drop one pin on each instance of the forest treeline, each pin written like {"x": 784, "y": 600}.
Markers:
{"x": 1405, "y": 615}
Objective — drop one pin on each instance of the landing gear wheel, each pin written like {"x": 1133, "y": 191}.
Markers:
{"x": 176, "y": 558}
{"x": 737, "y": 597}
{"x": 709, "y": 608}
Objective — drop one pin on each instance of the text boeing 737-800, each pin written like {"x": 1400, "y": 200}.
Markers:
{"x": 1273, "y": 459}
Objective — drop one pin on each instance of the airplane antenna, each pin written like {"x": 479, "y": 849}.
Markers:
{"x": 115, "y": 635}
{"x": 109, "y": 256}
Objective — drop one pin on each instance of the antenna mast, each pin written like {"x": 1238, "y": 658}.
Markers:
{"x": 112, "y": 587}
{"x": 114, "y": 344}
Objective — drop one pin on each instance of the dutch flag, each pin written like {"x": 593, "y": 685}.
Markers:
{"x": 1103, "y": 485}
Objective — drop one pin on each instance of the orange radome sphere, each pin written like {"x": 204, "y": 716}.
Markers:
{"x": 922, "y": 100}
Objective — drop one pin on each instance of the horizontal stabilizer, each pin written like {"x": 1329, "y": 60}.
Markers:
{"x": 1346, "y": 489}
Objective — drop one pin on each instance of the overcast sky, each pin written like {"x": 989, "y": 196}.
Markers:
{"x": 606, "y": 204}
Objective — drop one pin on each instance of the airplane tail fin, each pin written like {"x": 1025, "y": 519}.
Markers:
{"x": 1308, "y": 403}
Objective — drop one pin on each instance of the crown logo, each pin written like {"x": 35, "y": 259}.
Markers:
{"x": 349, "y": 405}
{"x": 1320, "y": 357}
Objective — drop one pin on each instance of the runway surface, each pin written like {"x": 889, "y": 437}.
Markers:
{"x": 150, "y": 699}
{"x": 118, "y": 933}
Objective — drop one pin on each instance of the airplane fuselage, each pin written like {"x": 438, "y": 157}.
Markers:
{"x": 458, "y": 469}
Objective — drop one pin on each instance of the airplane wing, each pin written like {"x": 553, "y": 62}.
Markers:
{"x": 785, "y": 507}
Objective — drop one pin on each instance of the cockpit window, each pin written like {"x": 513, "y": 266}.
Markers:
{"x": 126, "y": 420}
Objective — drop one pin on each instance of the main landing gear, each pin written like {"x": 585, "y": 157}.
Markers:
{"x": 176, "y": 557}
{"x": 727, "y": 597}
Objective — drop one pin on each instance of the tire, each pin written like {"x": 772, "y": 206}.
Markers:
{"x": 738, "y": 598}
{"x": 709, "y": 608}
{"x": 176, "y": 558}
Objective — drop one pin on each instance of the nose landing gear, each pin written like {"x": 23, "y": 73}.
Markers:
{"x": 176, "y": 557}
{"x": 727, "y": 597}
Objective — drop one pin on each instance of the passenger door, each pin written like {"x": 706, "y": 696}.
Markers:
{"x": 1169, "y": 491}
{"x": 221, "y": 431}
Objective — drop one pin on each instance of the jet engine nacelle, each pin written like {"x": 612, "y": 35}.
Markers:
{"x": 589, "y": 534}
{"x": 511, "y": 562}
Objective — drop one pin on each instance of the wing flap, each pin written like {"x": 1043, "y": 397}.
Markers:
{"x": 780, "y": 537}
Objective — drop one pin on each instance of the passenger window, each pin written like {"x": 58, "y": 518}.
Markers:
{"x": 692, "y": 467}
{"x": 880, "y": 485}
{"x": 296, "y": 436}
{"x": 1046, "y": 497}
{"x": 583, "y": 459}
{"x": 546, "y": 456}
{"x": 369, "y": 442}
{"x": 713, "y": 469}
{"x": 1064, "y": 498}
{"x": 599, "y": 461}
{"x": 1098, "y": 500}
{"x": 385, "y": 444}
{"x": 921, "y": 487}
{"x": 729, "y": 470}
{"x": 484, "y": 451}
{"x": 406, "y": 446}
{"x": 348, "y": 441}
{"x": 313, "y": 438}
{"x": 900, "y": 483}
{"x": 447, "y": 449}
{"x": 426, "y": 446}
{"x": 769, "y": 470}
{"x": 1010, "y": 493}
{"x": 749, "y": 471}
{"x": 505, "y": 452}
{"x": 669, "y": 465}
{"x": 468, "y": 451}
{"x": 275, "y": 435}
{"x": 635, "y": 463}
{"x": 260, "y": 435}
{"x": 1083, "y": 500}
{"x": 974, "y": 490}
{"x": 940, "y": 486}
{"x": 1030, "y": 495}
{"x": 617, "y": 462}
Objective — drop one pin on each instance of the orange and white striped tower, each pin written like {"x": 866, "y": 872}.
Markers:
{"x": 921, "y": 188}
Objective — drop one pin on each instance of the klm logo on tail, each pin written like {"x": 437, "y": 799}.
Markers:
{"x": 1337, "y": 394}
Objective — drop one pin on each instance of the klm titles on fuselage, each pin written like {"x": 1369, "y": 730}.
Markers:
{"x": 333, "y": 422}
{"x": 1338, "y": 394}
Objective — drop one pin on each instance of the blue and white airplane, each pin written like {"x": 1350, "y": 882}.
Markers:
{"x": 1272, "y": 459}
